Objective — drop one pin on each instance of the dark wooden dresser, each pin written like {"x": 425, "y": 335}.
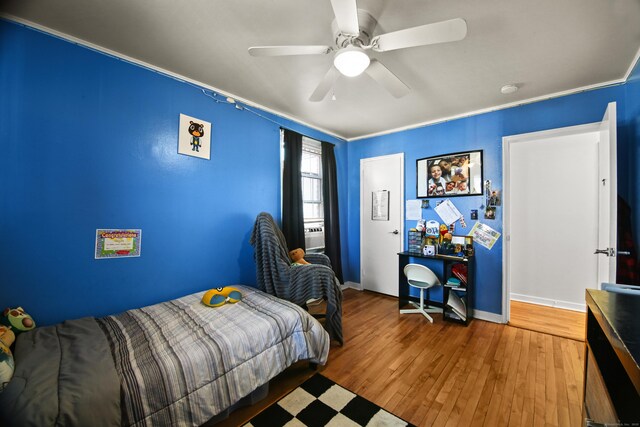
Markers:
{"x": 612, "y": 374}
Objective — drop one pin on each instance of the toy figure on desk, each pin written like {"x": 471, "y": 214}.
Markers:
{"x": 458, "y": 250}
{"x": 446, "y": 247}
{"x": 443, "y": 231}
{"x": 469, "y": 250}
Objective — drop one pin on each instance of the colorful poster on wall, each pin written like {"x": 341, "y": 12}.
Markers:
{"x": 194, "y": 137}
{"x": 484, "y": 235}
{"x": 112, "y": 243}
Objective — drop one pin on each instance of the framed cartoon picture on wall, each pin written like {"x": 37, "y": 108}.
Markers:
{"x": 450, "y": 175}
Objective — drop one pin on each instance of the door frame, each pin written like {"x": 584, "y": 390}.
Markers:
{"x": 507, "y": 142}
{"x": 402, "y": 201}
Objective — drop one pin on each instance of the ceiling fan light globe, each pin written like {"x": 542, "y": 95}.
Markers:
{"x": 351, "y": 61}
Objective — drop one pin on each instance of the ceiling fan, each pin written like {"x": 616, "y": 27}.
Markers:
{"x": 353, "y": 29}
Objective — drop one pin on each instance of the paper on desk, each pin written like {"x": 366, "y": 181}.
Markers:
{"x": 414, "y": 209}
{"x": 448, "y": 212}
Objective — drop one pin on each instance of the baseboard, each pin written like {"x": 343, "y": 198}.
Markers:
{"x": 581, "y": 307}
{"x": 488, "y": 316}
{"x": 477, "y": 314}
{"x": 352, "y": 285}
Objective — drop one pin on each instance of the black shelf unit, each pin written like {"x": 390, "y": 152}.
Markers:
{"x": 464, "y": 292}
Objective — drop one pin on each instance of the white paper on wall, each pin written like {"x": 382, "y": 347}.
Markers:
{"x": 448, "y": 212}
{"x": 414, "y": 210}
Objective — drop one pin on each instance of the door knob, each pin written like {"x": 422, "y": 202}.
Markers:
{"x": 394, "y": 232}
{"x": 607, "y": 252}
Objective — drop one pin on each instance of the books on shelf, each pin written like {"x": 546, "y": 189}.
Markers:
{"x": 459, "y": 270}
{"x": 453, "y": 282}
{"x": 457, "y": 305}
{"x": 456, "y": 284}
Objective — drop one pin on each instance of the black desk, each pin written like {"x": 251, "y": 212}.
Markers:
{"x": 612, "y": 365}
{"x": 448, "y": 260}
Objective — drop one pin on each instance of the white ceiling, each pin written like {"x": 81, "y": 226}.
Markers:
{"x": 546, "y": 47}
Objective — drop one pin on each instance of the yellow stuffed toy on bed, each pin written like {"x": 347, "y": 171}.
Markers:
{"x": 7, "y": 365}
{"x": 220, "y": 296}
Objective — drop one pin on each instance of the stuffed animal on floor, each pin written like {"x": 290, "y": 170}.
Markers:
{"x": 7, "y": 366}
{"x": 220, "y": 296}
{"x": 297, "y": 257}
{"x": 17, "y": 320}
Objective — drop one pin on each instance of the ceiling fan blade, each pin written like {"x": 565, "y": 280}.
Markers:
{"x": 439, "y": 32}
{"x": 346, "y": 12}
{"x": 386, "y": 78}
{"x": 325, "y": 85}
{"x": 288, "y": 50}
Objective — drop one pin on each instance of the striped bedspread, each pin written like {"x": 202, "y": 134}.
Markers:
{"x": 181, "y": 363}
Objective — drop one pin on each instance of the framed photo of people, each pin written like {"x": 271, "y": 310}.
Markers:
{"x": 450, "y": 175}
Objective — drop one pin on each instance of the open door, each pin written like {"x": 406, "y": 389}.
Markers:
{"x": 608, "y": 198}
{"x": 588, "y": 220}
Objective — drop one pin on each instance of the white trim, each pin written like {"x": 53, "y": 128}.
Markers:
{"x": 553, "y": 133}
{"x": 633, "y": 65}
{"x": 160, "y": 70}
{"x": 567, "y": 305}
{"x": 488, "y": 316}
{"x": 506, "y": 222}
{"x": 507, "y": 141}
{"x": 352, "y": 285}
{"x": 402, "y": 199}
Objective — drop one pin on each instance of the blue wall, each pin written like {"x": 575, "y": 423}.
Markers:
{"x": 90, "y": 141}
{"x": 485, "y": 132}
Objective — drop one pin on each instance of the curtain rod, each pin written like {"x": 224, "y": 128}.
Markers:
{"x": 306, "y": 136}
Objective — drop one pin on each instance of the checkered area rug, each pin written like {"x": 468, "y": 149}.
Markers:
{"x": 321, "y": 402}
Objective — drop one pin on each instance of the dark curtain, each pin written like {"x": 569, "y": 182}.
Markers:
{"x": 292, "y": 208}
{"x": 330, "y": 200}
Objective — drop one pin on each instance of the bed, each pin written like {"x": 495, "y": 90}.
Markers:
{"x": 173, "y": 363}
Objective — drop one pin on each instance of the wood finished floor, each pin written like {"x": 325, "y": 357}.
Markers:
{"x": 444, "y": 374}
{"x": 550, "y": 320}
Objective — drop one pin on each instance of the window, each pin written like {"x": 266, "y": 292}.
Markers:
{"x": 311, "y": 175}
{"x": 311, "y": 186}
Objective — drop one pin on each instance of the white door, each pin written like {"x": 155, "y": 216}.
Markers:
{"x": 381, "y": 222}
{"x": 608, "y": 209}
{"x": 558, "y": 211}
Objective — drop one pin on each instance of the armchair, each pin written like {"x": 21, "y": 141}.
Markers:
{"x": 298, "y": 284}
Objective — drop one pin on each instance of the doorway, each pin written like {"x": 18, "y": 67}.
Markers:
{"x": 381, "y": 222}
{"x": 558, "y": 188}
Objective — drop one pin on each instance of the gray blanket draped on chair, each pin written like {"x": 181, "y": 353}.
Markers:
{"x": 297, "y": 284}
